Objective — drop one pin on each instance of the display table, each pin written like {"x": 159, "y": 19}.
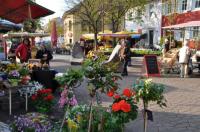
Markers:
{"x": 10, "y": 88}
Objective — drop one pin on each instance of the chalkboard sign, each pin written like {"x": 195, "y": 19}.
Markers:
{"x": 151, "y": 66}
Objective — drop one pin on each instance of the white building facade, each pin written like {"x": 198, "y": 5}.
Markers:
{"x": 149, "y": 23}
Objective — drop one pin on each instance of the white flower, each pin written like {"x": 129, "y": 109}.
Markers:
{"x": 148, "y": 81}
{"x": 59, "y": 74}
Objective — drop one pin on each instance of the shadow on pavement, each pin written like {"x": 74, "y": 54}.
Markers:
{"x": 166, "y": 122}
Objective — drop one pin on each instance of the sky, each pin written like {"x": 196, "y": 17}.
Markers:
{"x": 58, "y": 6}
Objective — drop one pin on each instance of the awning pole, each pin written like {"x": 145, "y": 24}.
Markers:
{"x": 29, "y": 11}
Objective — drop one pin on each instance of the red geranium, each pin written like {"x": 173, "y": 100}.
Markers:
{"x": 110, "y": 93}
{"x": 121, "y": 105}
{"x": 125, "y": 107}
{"x": 116, "y": 107}
{"x": 33, "y": 97}
{"x": 48, "y": 98}
{"x": 127, "y": 92}
{"x": 117, "y": 96}
{"x": 48, "y": 90}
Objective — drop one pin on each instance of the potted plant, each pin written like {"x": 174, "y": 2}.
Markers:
{"x": 43, "y": 100}
{"x": 25, "y": 77}
{"x": 149, "y": 92}
{"x": 14, "y": 77}
{"x": 124, "y": 107}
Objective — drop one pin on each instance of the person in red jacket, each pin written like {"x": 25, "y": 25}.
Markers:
{"x": 23, "y": 51}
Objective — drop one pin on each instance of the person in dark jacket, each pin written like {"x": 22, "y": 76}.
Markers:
{"x": 44, "y": 54}
{"x": 125, "y": 56}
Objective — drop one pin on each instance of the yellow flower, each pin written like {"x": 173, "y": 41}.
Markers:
{"x": 72, "y": 125}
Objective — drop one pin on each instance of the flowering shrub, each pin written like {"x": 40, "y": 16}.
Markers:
{"x": 67, "y": 98}
{"x": 32, "y": 122}
{"x": 99, "y": 76}
{"x": 149, "y": 91}
{"x": 124, "y": 106}
{"x": 43, "y": 100}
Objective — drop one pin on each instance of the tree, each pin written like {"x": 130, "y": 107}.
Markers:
{"x": 94, "y": 12}
{"x": 89, "y": 12}
{"x": 117, "y": 9}
{"x": 116, "y": 13}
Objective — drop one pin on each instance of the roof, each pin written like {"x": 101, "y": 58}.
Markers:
{"x": 71, "y": 11}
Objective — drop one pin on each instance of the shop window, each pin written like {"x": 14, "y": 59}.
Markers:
{"x": 195, "y": 32}
{"x": 197, "y": 3}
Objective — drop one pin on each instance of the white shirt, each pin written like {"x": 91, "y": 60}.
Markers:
{"x": 184, "y": 53}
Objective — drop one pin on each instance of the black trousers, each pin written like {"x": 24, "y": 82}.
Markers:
{"x": 125, "y": 64}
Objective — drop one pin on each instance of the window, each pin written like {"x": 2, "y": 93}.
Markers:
{"x": 195, "y": 31}
{"x": 184, "y": 5}
{"x": 70, "y": 41}
{"x": 197, "y": 3}
{"x": 70, "y": 25}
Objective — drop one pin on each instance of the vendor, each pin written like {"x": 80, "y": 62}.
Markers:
{"x": 44, "y": 54}
{"x": 23, "y": 51}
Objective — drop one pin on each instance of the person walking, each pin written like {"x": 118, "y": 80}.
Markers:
{"x": 125, "y": 56}
{"x": 23, "y": 51}
{"x": 44, "y": 55}
{"x": 184, "y": 56}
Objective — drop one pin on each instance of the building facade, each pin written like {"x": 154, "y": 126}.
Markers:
{"x": 149, "y": 22}
{"x": 181, "y": 11}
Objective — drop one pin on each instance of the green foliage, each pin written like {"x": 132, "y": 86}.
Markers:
{"x": 71, "y": 78}
{"x": 24, "y": 71}
{"x": 100, "y": 77}
{"x": 30, "y": 25}
{"x": 149, "y": 91}
{"x": 146, "y": 52}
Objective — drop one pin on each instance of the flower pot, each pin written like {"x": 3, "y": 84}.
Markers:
{"x": 14, "y": 82}
{"x": 25, "y": 80}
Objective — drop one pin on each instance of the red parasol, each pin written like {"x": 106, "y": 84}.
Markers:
{"x": 54, "y": 36}
{"x": 20, "y": 10}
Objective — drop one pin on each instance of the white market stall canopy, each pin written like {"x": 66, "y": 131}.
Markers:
{"x": 25, "y": 34}
{"x": 183, "y": 25}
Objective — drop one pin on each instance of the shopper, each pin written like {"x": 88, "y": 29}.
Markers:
{"x": 184, "y": 56}
{"x": 44, "y": 54}
{"x": 23, "y": 51}
{"x": 125, "y": 56}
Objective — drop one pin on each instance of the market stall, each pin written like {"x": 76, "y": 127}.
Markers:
{"x": 193, "y": 43}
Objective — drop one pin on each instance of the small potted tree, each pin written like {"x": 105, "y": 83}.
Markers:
{"x": 148, "y": 92}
